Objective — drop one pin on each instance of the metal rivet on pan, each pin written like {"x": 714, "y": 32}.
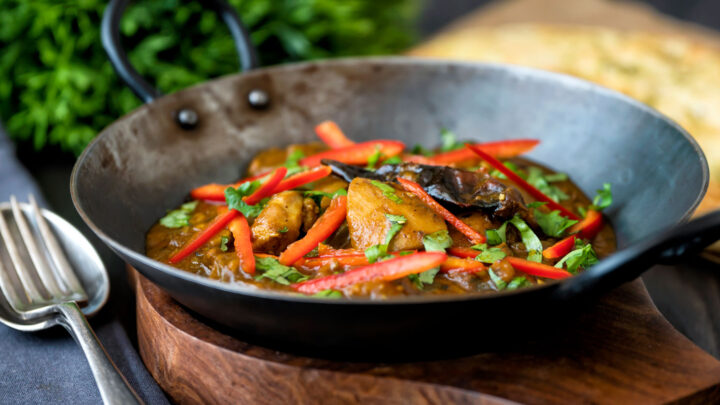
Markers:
{"x": 258, "y": 99}
{"x": 187, "y": 118}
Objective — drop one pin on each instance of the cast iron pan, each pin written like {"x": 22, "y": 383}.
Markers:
{"x": 147, "y": 161}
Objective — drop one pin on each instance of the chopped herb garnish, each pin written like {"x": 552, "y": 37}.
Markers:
{"x": 223, "y": 243}
{"x": 496, "y": 236}
{"x": 393, "y": 160}
{"x": 387, "y": 191}
{"x": 328, "y": 294}
{"x": 449, "y": 141}
{"x": 536, "y": 204}
{"x": 378, "y": 252}
{"x": 179, "y": 217}
{"x": 284, "y": 229}
{"x": 293, "y": 158}
{"x": 500, "y": 284}
{"x": 421, "y": 150}
{"x": 518, "y": 282}
{"x": 437, "y": 241}
{"x": 277, "y": 272}
{"x": 488, "y": 254}
{"x": 583, "y": 257}
{"x": 603, "y": 198}
{"x": 538, "y": 179}
{"x": 510, "y": 165}
{"x": 374, "y": 159}
{"x": 530, "y": 240}
{"x": 553, "y": 224}
{"x": 234, "y": 196}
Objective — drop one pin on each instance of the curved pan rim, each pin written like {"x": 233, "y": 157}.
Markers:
{"x": 520, "y": 71}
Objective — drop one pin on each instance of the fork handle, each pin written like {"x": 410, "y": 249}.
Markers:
{"x": 114, "y": 388}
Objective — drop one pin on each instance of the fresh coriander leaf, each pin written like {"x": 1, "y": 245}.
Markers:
{"x": 488, "y": 254}
{"x": 273, "y": 270}
{"x": 553, "y": 177}
{"x": 437, "y": 241}
{"x": 393, "y": 160}
{"x": 510, "y": 165}
{"x": 234, "y": 196}
{"x": 536, "y": 204}
{"x": 223, "y": 243}
{"x": 603, "y": 198}
{"x": 537, "y": 178}
{"x": 583, "y": 257}
{"x": 387, "y": 191}
{"x": 449, "y": 141}
{"x": 518, "y": 282}
{"x": 374, "y": 159}
{"x": 284, "y": 229}
{"x": 426, "y": 277}
{"x": 421, "y": 150}
{"x": 329, "y": 293}
{"x": 293, "y": 159}
{"x": 496, "y": 236}
{"x": 529, "y": 239}
{"x": 553, "y": 224}
{"x": 500, "y": 284}
{"x": 379, "y": 252}
{"x": 179, "y": 217}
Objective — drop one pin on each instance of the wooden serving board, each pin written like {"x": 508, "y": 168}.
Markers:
{"x": 621, "y": 350}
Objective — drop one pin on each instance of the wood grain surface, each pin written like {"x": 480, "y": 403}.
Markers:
{"x": 619, "y": 351}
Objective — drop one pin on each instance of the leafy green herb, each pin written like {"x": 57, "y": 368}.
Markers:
{"x": 387, "y": 191}
{"x": 378, "y": 252}
{"x": 536, "y": 204}
{"x": 530, "y": 240}
{"x": 284, "y": 229}
{"x": 518, "y": 282}
{"x": 603, "y": 198}
{"x": 449, "y": 141}
{"x": 488, "y": 254}
{"x": 329, "y": 293}
{"x": 510, "y": 165}
{"x": 273, "y": 270}
{"x": 437, "y": 241}
{"x": 537, "y": 178}
{"x": 374, "y": 159}
{"x": 234, "y": 196}
{"x": 582, "y": 257}
{"x": 553, "y": 224}
{"x": 500, "y": 284}
{"x": 318, "y": 195}
{"x": 393, "y": 160}
{"x": 421, "y": 150}
{"x": 426, "y": 277}
{"x": 496, "y": 236}
{"x": 179, "y": 217}
{"x": 223, "y": 243}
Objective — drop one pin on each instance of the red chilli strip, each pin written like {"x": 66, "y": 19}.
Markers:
{"x": 243, "y": 243}
{"x": 332, "y": 135}
{"x": 537, "y": 269}
{"x": 464, "y": 252}
{"x": 589, "y": 226}
{"x": 539, "y": 195}
{"x": 387, "y": 270}
{"x": 216, "y": 192}
{"x": 473, "y": 235}
{"x": 357, "y": 154}
{"x": 303, "y": 178}
{"x": 560, "y": 249}
{"x": 499, "y": 149}
{"x": 266, "y": 189}
{"x": 457, "y": 264}
{"x": 203, "y": 236}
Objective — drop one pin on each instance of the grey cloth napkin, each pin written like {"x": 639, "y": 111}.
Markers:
{"x": 48, "y": 366}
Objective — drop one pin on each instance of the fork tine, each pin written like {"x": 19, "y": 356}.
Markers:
{"x": 64, "y": 270}
{"x": 41, "y": 266}
{"x": 23, "y": 274}
{"x": 6, "y": 285}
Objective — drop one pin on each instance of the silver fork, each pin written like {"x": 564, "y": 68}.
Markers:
{"x": 44, "y": 285}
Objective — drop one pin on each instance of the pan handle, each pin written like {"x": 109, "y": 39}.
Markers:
{"x": 110, "y": 34}
{"x": 668, "y": 247}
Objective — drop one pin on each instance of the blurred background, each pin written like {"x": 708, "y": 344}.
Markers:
{"x": 57, "y": 89}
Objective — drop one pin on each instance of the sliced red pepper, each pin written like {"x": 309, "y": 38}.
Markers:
{"x": 386, "y": 270}
{"x": 539, "y": 195}
{"x": 267, "y": 188}
{"x": 328, "y": 222}
{"x": 463, "y": 252}
{"x": 499, "y": 149}
{"x": 560, "y": 249}
{"x": 203, "y": 236}
{"x": 452, "y": 264}
{"x": 537, "y": 269}
{"x": 243, "y": 243}
{"x": 473, "y": 235}
{"x": 589, "y": 226}
{"x": 216, "y": 192}
{"x": 332, "y": 135}
{"x": 357, "y": 154}
{"x": 300, "y": 179}
{"x": 346, "y": 257}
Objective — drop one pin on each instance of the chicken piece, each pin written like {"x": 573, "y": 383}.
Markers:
{"x": 272, "y": 158}
{"x": 278, "y": 225}
{"x": 310, "y": 212}
{"x": 367, "y": 206}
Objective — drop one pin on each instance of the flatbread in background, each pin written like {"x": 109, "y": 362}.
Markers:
{"x": 675, "y": 75}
